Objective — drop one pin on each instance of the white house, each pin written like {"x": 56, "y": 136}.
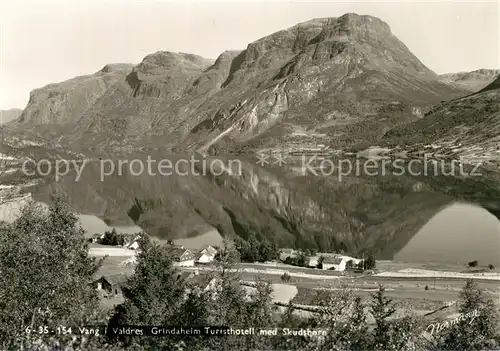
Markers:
{"x": 356, "y": 261}
{"x": 205, "y": 258}
{"x": 207, "y": 255}
{"x": 334, "y": 263}
{"x": 209, "y": 250}
{"x": 134, "y": 245}
{"x": 183, "y": 257}
{"x": 313, "y": 261}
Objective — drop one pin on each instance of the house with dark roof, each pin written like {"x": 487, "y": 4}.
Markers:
{"x": 111, "y": 284}
{"x": 182, "y": 257}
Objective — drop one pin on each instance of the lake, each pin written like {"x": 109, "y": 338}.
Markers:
{"x": 402, "y": 216}
{"x": 460, "y": 233}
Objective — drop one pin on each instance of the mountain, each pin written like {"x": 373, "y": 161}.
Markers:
{"x": 472, "y": 81}
{"x": 333, "y": 81}
{"x": 9, "y": 115}
{"x": 465, "y": 127}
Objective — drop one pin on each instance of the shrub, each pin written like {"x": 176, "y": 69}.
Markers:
{"x": 473, "y": 263}
{"x": 491, "y": 267}
{"x": 285, "y": 278}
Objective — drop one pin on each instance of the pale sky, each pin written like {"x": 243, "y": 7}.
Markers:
{"x": 42, "y": 42}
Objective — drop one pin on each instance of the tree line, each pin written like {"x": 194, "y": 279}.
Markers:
{"x": 46, "y": 276}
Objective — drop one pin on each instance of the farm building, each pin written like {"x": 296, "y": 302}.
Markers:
{"x": 111, "y": 284}
{"x": 334, "y": 263}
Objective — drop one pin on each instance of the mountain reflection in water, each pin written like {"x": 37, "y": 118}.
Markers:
{"x": 380, "y": 213}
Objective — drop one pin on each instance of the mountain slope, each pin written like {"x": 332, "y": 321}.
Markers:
{"x": 345, "y": 79}
{"x": 466, "y": 127}
{"x": 64, "y": 103}
{"x": 472, "y": 81}
{"x": 9, "y": 115}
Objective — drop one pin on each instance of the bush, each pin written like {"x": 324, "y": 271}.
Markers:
{"x": 320, "y": 262}
{"x": 491, "y": 267}
{"x": 473, "y": 263}
{"x": 285, "y": 278}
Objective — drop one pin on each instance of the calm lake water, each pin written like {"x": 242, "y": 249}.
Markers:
{"x": 92, "y": 225}
{"x": 459, "y": 233}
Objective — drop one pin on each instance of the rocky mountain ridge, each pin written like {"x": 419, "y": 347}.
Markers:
{"x": 336, "y": 81}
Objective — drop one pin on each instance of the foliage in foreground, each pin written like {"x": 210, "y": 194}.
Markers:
{"x": 47, "y": 271}
{"x": 45, "y": 275}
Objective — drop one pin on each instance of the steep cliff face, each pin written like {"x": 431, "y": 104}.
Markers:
{"x": 64, "y": 103}
{"x": 473, "y": 81}
{"x": 321, "y": 78}
{"x": 345, "y": 79}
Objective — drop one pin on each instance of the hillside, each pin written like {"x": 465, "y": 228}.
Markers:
{"x": 337, "y": 81}
{"x": 466, "y": 127}
{"x": 472, "y": 81}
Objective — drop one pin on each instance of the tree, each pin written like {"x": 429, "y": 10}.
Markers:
{"x": 302, "y": 259}
{"x": 112, "y": 238}
{"x": 473, "y": 263}
{"x": 320, "y": 262}
{"x": 285, "y": 278}
{"x": 477, "y": 330}
{"x": 355, "y": 334}
{"x": 153, "y": 295}
{"x": 46, "y": 275}
{"x": 381, "y": 309}
{"x": 333, "y": 306}
{"x": 230, "y": 306}
{"x": 370, "y": 262}
{"x": 491, "y": 267}
{"x": 267, "y": 251}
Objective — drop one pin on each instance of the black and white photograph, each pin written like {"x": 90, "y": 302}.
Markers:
{"x": 249, "y": 175}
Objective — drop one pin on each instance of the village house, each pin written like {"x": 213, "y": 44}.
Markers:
{"x": 334, "y": 263}
{"x": 134, "y": 245}
{"x": 313, "y": 261}
{"x": 182, "y": 257}
{"x": 206, "y": 255}
{"x": 112, "y": 284}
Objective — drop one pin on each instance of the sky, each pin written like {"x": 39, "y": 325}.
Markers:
{"x": 43, "y": 42}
